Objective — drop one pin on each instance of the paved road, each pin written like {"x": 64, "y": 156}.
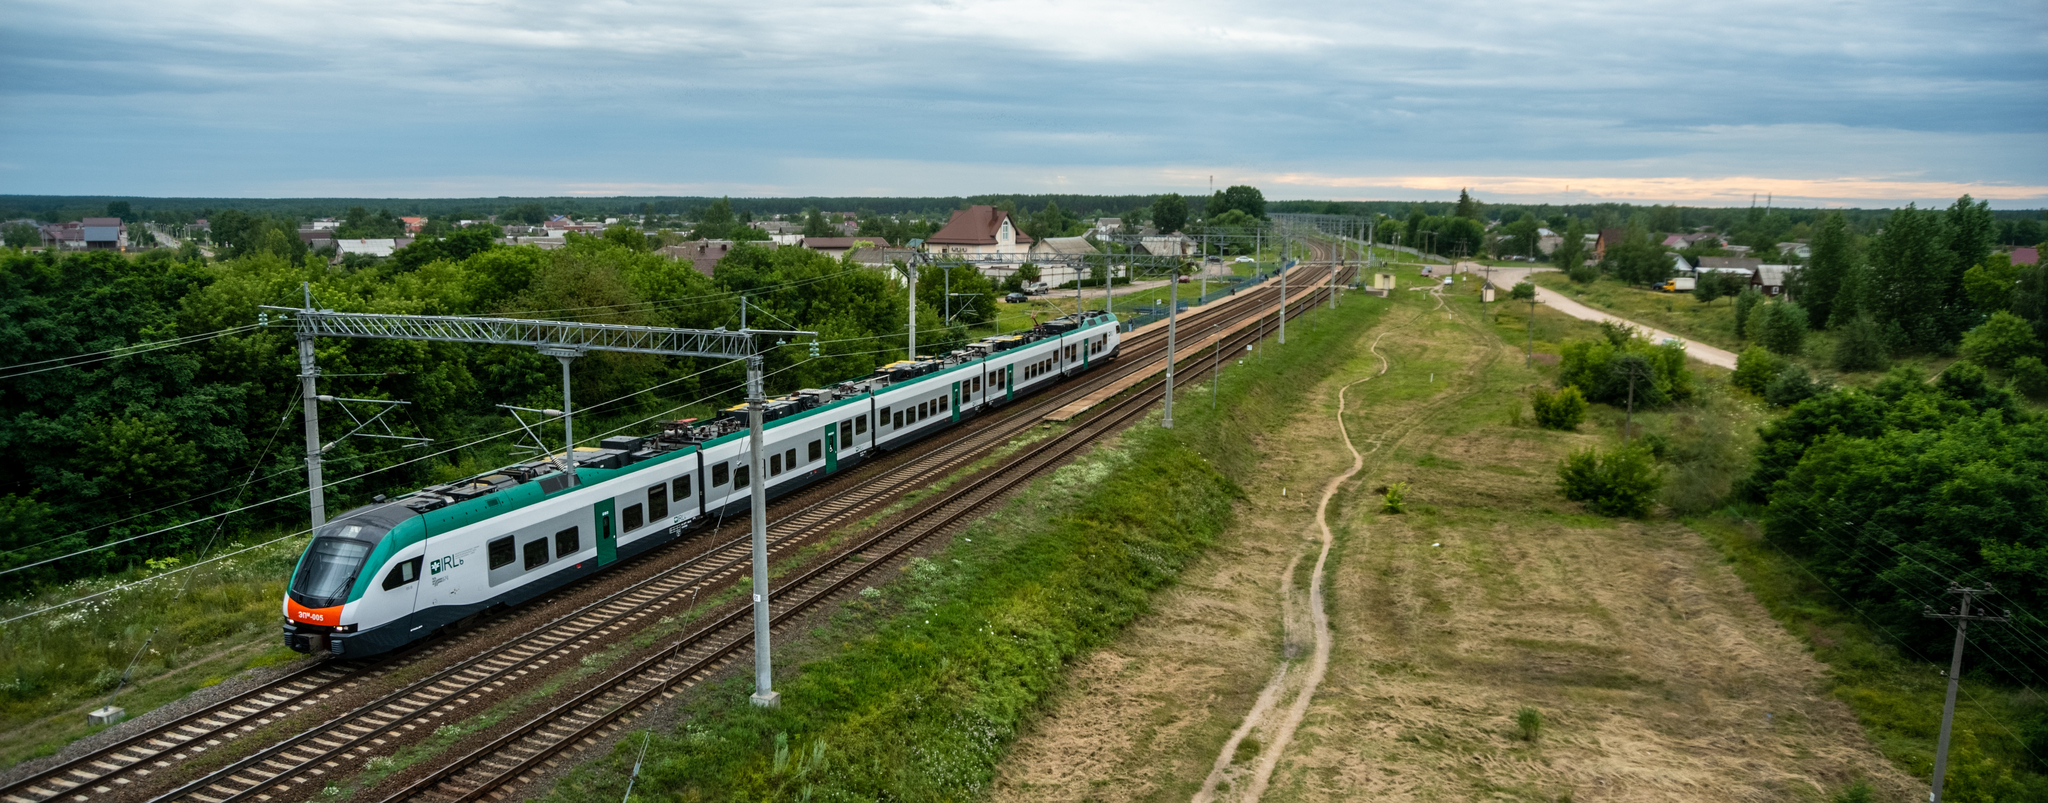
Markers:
{"x": 1507, "y": 277}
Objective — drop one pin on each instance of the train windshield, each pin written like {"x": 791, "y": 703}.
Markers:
{"x": 329, "y": 570}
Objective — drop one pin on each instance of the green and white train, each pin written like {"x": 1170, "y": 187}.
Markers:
{"x": 385, "y": 575}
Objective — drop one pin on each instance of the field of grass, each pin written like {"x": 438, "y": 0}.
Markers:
{"x": 916, "y": 691}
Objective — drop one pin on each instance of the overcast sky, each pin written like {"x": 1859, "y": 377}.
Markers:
{"x": 1865, "y": 103}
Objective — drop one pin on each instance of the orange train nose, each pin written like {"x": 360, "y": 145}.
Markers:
{"x": 312, "y": 616}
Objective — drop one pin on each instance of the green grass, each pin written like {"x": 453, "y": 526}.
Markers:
{"x": 922, "y": 702}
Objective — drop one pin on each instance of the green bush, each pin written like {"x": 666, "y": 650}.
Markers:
{"x": 2030, "y": 376}
{"x": 1589, "y": 364}
{"x": 1522, "y": 291}
{"x": 1792, "y": 386}
{"x": 1623, "y": 482}
{"x": 1563, "y": 409}
{"x": 1529, "y": 723}
{"x": 1745, "y": 301}
{"x": 1861, "y": 347}
{"x": 1755, "y": 367}
{"x": 1394, "y": 500}
{"x": 2000, "y": 340}
{"x": 1780, "y": 327}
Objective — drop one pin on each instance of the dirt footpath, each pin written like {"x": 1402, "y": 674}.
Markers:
{"x": 1656, "y": 675}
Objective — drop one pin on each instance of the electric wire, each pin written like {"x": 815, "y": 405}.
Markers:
{"x": 115, "y": 354}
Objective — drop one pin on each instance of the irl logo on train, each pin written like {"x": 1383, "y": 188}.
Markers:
{"x": 443, "y": 564}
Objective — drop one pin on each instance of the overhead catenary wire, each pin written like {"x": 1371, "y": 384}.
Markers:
{"x": 12, "y": 371}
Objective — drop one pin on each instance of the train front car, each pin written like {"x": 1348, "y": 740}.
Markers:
{"x": 351, "y": 582}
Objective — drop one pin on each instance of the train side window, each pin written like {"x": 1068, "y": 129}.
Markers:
{"x": 679, "y": 490}
{"x": 568, "y": 542}
{"x": 789, "y": 459}
{"x": 884, "y": 420}
{"x": 899, "y": 419}
{"x": 536, "y": 553}
{"x": 718, "y": 474}
{"x": 739, "y": 477}
{"x": 860, "y": 425}
{"x": 846, "y": 432}
{"x": 817, "y": 450}
{"x": 774, "y": 465}
{"x": 502, "y": 552}
{"x": 942, "y": 403}
{"x": 403, "y": 573}
{"x": 657, "y": 503}
{"x": 631, "y": 519}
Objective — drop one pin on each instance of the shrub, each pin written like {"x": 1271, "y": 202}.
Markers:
{"x": 1619, "y": 483}
{"x": 1745, "y": 301}
{"x": 2000, "y": 340}
{"x": 1780, "y": 327}
{"x": 1561, "y": 410}
{"x": 1861, "y": 348}
{"x": 1792, "y": 386}
{"x": 1394, "y": 500}
{"x": 1755, "y": 367}
{"x": 2030, "y": 376}
{"x": 1590, "y": 366}
{"x": 1529, "y": 722}
{"x": 1522, "y": 291}
{"x": 1584, "y": 274}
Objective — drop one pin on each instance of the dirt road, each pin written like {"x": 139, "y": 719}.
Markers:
{"x": 1507, "y": 277}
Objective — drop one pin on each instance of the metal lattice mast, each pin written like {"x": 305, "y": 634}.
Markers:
{"x": 565, "y": 341}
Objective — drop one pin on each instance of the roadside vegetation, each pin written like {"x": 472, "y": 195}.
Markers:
{"x": 934, "y": 673}
{"x": 1850, "y": 508}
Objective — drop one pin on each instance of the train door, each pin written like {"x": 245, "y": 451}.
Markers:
{"x": 1009, "y": 381}
{"x": 607, "y": 534}
{"x": 831, "y": 448}
{"x": 956, "y": 402}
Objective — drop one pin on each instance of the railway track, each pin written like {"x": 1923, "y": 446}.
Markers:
{"x": 513, "y": 756}
{"x": 128, "y": 764}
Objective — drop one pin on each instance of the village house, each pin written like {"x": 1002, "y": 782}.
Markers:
{"x": 702, "y": 254}
{"x": 985, "y": 234}
{"x": 836, "y": 247}
{"x": 1061, "y": 259}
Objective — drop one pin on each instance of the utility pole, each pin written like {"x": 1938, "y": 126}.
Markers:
{"x": 1961, "y": 617}
{"x": 1284, "y": 245}
{"x": 764, "y": 676}
{"x": 1172, "y": 317}
{"x": 1634, "y": 369}
{"x": 309, "y": 373}
{"x": 913, "y": 310}
{"x": 1215, "y": 366}
{"x": 1530, "y": 354}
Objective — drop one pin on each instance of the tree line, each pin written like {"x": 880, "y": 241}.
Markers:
{"x": 116, "y": 441}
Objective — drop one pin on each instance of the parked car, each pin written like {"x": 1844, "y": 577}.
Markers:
{"x": 1186, "y": 279}
{"x": 1246, "y": 259}
{"x": 1016, "y": 298}
{"x": 1036, "y": 288}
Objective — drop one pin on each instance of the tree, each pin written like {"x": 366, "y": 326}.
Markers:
{"x": 1246, "y": 199}
{"x": 1467, "y": 207}
{"x": 2030, "y": 297}
{"x": 1638, "y": 259}
{"x": 360, "y": 223}
{"x": 815, "y": 224}
{"x": 1990, "y": 283}
{"x": 1826, "y": 272}
{"x": 122, "y": 210}
{"x": 1570, "y": 255}
{"x": 1998, "y": 341}
{"x": 1778, "y": 326}
{"x": 1170, "y": 213}
{"x": 531, "y": 214}
{"x": 2030, "y": 376}
{"x": 20, "y": 235}
{"x": 1521, "y": 235}
{"x": 717, "y": 222}
{"x": 1716, "y": 284}
{"x": 1792, "y": 386}
{"x": 621, "y": 234}
{"x": 1745, "y": 302}
{"x": 1861, "y": 347}
{"x": 1970, "y": 231}
{"x": 1665, "y": 219}
{"x": 1907, "y": 285}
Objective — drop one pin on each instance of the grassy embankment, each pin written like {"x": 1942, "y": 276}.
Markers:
{"x": 1896, "y": 690}
{"x": 55, "y": 667}
{"x": 916, "y": 690}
